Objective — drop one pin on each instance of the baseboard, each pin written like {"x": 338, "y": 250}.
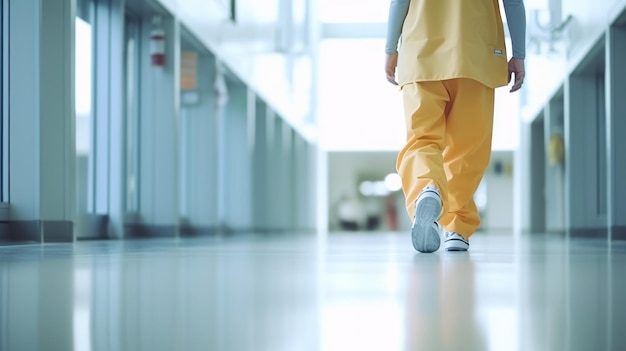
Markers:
{"x": 150, "y": 231}
{"x": 37, "y": 231}
{"x": 618, "y": 233}
{"x": 191, "y": 231}
{"x": 57, "y": 231}
{"x": 595, "y": 233}
{"x": 94, "y": 227}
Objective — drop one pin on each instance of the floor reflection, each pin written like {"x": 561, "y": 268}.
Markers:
{"x": 357, "y": 291}
{"x": 441, "y": 301}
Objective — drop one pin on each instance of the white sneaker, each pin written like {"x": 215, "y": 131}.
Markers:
{"x": 425, "y": 232}
{"x": 455, "y": 242}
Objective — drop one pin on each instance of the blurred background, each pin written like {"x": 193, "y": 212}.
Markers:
{"x": 254, "y": 143}
{"x": 237, "y": 116}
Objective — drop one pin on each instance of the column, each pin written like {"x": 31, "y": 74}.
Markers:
{"x": 283, "y": 191}
{"x": 236, "y": 161}
{"x": 616, "y": 192}
{"x": 42, "y": 135}
{"x": 536, "y": 190}
{"x": 273, "y": 182}
{"x": 615, "y": 126}
{"x": 553, "y": 202}
{"x": 263, "y": 201}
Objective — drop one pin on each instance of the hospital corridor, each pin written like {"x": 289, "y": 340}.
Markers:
{"x": 222, "y": 175}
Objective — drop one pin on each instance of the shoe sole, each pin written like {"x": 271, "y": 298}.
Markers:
{"x": 424, "y": 235}
{"x": 457, "y": 249}
{"x": 456, "y": 245}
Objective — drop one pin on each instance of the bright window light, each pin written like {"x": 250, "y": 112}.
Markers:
{"x": 353, "y": 11}
{"x": 393, "y": 182}
{"x": 366, "y": 188}
{"x": 373, "y": 188}
{"x": 83, "y": 85}
{"x": 83, "y": 67}
{"x": 360, "y": 111}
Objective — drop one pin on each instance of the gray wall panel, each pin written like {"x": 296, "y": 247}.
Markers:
{"x": 198, "y": 140}
{"x": 616, "y": 125}
{"x": 159, "y": 130}
{"x": 237, "y": 162}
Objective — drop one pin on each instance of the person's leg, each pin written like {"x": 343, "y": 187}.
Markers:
{"x": 466, "y": 155}
{"x": 420, "y": 162}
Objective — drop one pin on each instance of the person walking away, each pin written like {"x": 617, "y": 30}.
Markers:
{"x": 447, "y": 57}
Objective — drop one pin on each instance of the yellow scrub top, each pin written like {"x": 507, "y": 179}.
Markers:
{"x": 447, "y": 39}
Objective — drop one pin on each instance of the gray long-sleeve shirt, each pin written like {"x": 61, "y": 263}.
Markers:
{"x": 515, "y": 15}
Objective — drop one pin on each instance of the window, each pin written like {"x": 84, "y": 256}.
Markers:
{"x": 83, "y": 88}
{"x": 84, "y": 77}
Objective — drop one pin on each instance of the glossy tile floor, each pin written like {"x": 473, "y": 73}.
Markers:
{"x": 346, "y": 292}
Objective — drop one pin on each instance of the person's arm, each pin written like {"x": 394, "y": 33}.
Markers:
{"x": 516, "y": 19}
{"x": 397, "y": 13}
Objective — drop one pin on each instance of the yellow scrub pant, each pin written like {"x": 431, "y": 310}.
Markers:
{"x": 449, "y": 126}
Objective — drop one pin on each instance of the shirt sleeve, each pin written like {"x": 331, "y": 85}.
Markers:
{"x": 516, "y": 20}
{"x": 397, "y": 13}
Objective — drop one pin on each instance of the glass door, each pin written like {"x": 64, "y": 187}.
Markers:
{"x": 132, "y": 76}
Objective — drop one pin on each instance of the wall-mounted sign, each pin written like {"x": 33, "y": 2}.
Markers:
{"x": 188, "y": 70}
